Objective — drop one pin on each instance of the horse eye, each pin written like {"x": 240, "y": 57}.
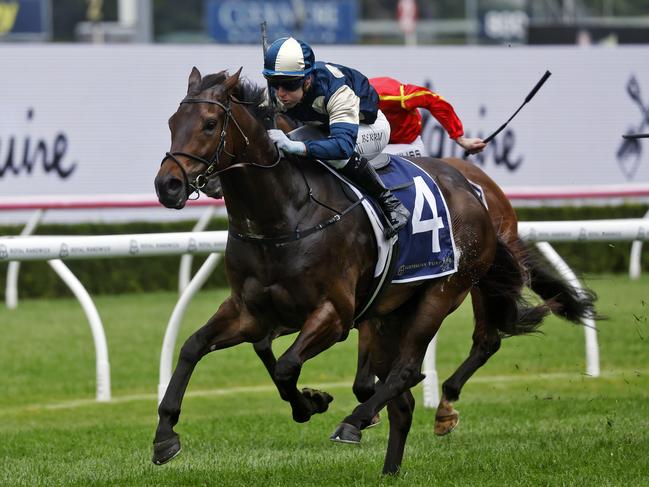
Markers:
{"x": 210, "y": 124}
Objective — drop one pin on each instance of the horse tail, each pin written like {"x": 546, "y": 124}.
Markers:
{"x": 566, "y": 302}
{"x": 505, "y": 306}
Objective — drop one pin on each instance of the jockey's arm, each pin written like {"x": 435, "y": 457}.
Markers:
{"x": 343, "y": 109}
{"x": 443, "y": 111}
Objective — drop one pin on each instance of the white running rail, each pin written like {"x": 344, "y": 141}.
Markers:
{"x": 57, "y": 248}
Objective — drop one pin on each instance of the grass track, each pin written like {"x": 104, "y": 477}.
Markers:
{"x": 529, "y": 417}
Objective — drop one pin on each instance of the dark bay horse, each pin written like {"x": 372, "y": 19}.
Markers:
{"x": 301, "y": 255}
{"x": 563, "y": 299}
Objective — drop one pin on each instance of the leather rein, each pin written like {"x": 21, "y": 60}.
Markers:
{"x": 210, "y": 171}
{"x": 210, "y": 166}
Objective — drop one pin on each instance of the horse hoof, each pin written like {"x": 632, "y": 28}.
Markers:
{"x": 318, "y": 400}
{"x": 346, "y": 433}
{"x": 166, "y": 450}
{"x": 445, "y": 423}
{"x": 376, "y": 420}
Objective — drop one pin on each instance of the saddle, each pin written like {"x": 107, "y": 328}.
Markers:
{"x": 312, "y": 132}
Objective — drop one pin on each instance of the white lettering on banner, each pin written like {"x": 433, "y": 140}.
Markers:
{"x": 244, "y": 15}
{"x": 434, "y": 224}
{"x": 324, "y": 15}
{"x": 506, "y": 24}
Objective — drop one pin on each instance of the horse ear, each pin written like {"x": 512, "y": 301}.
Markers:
{"x": 233, "y": 80}
{"x": 194, "y": 80}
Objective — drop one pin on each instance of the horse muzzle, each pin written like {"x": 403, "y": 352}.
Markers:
{"x": 171, "y": 191}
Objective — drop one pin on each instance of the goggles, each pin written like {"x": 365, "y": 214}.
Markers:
{"x": 289, "y": 84}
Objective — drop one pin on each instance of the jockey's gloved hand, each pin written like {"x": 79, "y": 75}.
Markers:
{"x": 285, "y": 144}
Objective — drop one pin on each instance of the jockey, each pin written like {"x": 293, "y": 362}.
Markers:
{"x": 400, "y": 102}
{"x": 342, "y": 101}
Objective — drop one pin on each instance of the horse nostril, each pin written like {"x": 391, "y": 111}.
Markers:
{"x": 174, "y": 185}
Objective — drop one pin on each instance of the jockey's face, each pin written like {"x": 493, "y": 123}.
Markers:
{"x": 290, "y": 96}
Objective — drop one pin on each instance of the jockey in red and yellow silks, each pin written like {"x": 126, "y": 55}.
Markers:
{"x": 400, "y": 102}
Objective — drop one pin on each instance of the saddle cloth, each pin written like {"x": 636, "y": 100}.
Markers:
{"x": 426, "y": 246}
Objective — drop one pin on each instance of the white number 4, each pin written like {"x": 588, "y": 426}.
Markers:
{"x": 433, "y": 224}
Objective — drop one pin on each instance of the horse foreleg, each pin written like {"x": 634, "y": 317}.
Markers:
{"x": 322, "y": 329}
{"x": 400, "y": 415}
{"x": 225, "y": 329}
{"x": 264, "y": 350}
{"x": 486, "y": 342}
{"x": 365, "y": 380}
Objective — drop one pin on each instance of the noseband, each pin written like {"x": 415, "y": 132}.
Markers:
{"x": 210, "y": 171}
{"x": 211, "y": 165}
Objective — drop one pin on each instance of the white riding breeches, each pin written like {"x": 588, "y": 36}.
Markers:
{"x": 415, "y": 149}
{"x": 371, "y": 140}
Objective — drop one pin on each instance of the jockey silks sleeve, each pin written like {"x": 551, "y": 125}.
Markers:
{"x": 344, "y": 118}
{"x": 400, "y": 103}
{"x": 340, "y": 98}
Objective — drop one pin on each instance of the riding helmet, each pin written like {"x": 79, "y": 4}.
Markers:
{"x": 288, "y": 56}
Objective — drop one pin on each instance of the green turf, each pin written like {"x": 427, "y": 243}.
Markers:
{"x": 529, "y": 417}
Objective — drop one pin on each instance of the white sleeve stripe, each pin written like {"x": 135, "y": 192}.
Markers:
{"x": 344, "y": 106}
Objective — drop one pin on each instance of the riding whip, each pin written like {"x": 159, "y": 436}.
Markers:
{"x": 636, "y": 136}
{"x": 531, "y": 94}
{"x": 264, "y": 46}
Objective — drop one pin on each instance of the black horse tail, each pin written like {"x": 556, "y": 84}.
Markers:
{"x": 505, "y": 306}
{"x": 567, "y": 302}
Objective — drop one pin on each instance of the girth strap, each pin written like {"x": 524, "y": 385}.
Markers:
{"x": 297, "y": 234}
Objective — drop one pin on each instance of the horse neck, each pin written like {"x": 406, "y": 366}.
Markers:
{"x": 262, "y": 200}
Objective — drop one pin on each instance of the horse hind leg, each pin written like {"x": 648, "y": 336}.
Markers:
{"x": 500, "y": 310}
{"x": 396, "y": 355}
{"x": 486, "y": 342}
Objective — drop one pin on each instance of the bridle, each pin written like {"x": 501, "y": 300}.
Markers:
{"x": 210, "y": 171}
{"x": 210, "y": 165}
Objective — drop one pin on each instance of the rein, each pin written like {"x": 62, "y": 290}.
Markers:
{"x": 210, "y": 166}
{"x": 210, "y": 171}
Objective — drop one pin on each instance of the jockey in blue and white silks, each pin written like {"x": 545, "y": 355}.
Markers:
{"x": 341, "y": 100}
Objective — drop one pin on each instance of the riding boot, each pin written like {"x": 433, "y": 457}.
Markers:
{"x": 359, "y": 171}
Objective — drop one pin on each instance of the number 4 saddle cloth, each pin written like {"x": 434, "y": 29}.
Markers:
{"x": 426, "y": 245}
{"x": 424, "y": 248}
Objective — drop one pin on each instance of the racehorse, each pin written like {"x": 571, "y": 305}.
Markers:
{"x": 301, "y": 254}
{"x": 562, "y": 298}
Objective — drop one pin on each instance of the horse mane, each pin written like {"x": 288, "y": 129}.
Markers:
{"x": 253, "y": 96}
{"x": 255, "y": 99}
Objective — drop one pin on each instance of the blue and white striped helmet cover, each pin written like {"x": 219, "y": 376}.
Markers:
{"x": 288, "y": 57}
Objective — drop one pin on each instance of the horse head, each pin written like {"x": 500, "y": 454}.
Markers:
{"x": 209, "y": 133}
